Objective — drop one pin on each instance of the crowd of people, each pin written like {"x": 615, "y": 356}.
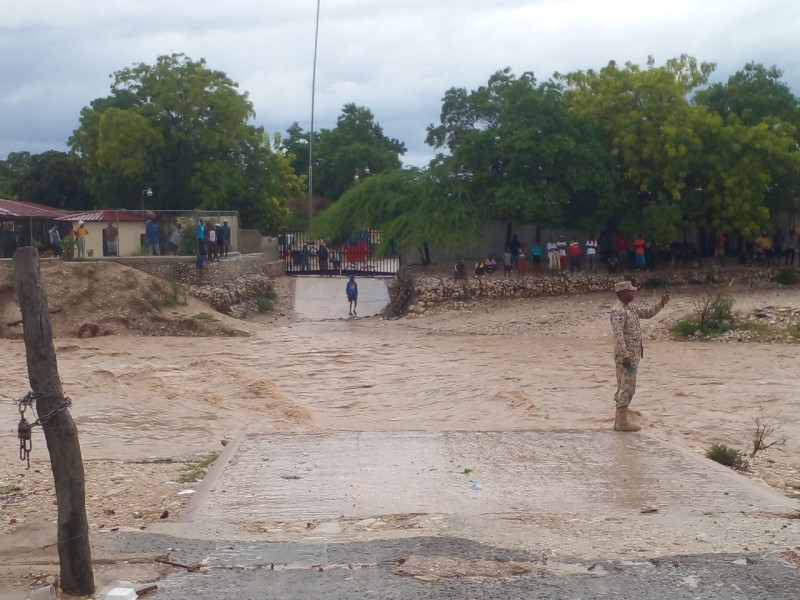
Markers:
{"x": 561, "y": 256}
{"x": 213, "y": 240}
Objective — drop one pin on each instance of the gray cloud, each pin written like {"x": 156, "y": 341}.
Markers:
{"x": 395, "y": 57}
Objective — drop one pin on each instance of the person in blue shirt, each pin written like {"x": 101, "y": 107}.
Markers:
{"x": 200, "y": 228}
{"x": 352, "y": 294}
{"x": 55, "y": 237}
{"x": 226, "y": 238}
{"x": 153, "y": 237}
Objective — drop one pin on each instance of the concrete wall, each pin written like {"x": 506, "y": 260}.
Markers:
{"x": 129, "y": 237}
{"x": 493, "y": 241}
{"x": 249, "y": 241}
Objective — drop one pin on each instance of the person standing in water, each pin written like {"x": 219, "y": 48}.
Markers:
{"x": 352, "y": 294}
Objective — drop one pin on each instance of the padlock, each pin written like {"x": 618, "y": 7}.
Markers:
{"x": 24, "y": 430}
{"x": 25, "y": 444}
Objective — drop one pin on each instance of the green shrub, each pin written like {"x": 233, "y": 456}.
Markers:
{"x": 786, "y": 276}
{"x": 654, "y": 283}
{"x": 266, "y": 302}
{"x": 169, "y": 294}
{"x": 725, "y": 455}
{"x": 69, "y": 246}
{"x": 686, "y": 326}
{"x": 713, "y": 316}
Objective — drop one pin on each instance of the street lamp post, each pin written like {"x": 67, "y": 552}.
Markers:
{"x": 147, "y": 192}
{"x": 311, "y": 133}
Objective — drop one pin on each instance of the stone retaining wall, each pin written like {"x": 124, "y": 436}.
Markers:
{"x": 431, "y": 291}
{"x": 183, "y": 269}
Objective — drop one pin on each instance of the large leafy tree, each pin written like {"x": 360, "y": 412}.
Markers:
{"x": 412, "y": 207}
{"x": 681, "y": 162}
{"x": 54, "y": 179}
{"x": 644, "y": 120}
{"x": 521, "y": 154}
{"x": 181, "y": 129}
{"x": 355, "y": 145}
{"x": 9, "y": 169}
{"x": 755, "y": 96}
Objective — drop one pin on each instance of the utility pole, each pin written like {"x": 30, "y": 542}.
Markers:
{"x": 61, "y": 434}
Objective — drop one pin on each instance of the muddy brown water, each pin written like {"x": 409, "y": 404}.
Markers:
{"x": 142, "y": 397}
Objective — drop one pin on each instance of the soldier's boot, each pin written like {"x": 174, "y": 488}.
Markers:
{"x": 621, "y": 423}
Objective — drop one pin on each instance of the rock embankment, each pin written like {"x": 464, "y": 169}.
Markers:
{"x": 430, "y": 292}
{"x": 235, "y": 297}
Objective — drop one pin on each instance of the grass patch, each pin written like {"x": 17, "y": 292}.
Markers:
{"x": 142, "y": 305}
{"x": 196, "y": 470}
{"x": 160, "y": 294}
{"x": 9, "y": 489}
{"x": 266, "y": 302}
{"x": 725, "y": 455}
{"x": 654, "y": 283}
{"x": 786, "y": 276}
{"x": 203, "y": 316}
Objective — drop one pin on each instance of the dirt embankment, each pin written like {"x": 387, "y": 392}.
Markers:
{"x": 119, "y": 300}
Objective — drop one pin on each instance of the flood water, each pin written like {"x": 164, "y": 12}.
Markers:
{"x": 137, "y": 397}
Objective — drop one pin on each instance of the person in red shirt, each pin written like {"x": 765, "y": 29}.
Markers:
{"x": 719, "y": 249}
{"x": 622, "y": 248}
{"x": 638, "y": 246}
{"x": 574, "y": 255}
{"x": 522, "y": 263}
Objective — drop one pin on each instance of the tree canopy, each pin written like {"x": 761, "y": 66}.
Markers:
{"x": 182, "y": 129}
{"x": 356, "y": 145}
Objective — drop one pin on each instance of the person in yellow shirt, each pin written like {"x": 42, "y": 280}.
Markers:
{"x": 80, "y": 234}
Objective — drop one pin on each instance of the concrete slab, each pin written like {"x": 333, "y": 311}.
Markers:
{"x": 321, "y": 298}
{"x": 324, "y": 476}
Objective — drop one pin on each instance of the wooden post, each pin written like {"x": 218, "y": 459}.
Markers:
{"x": 74, "y": 551}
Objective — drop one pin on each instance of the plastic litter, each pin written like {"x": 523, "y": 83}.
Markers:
{"x": 122, "y": 593}
{"x": 47, "y": 592}
{"x": 475, "y": 485}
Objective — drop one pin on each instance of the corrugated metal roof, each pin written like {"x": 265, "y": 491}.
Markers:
{"x": 14, "y": 209}
{"x": 104, "y": 215}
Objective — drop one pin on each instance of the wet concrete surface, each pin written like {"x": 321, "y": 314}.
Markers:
{"x": 580, "y": 474}
{"x": 322, "y": 298}
{"x": 378, "y": 569}
{"x": 556, "y": 515}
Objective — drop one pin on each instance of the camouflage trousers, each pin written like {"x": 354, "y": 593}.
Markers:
{"x": 626, "y": 385}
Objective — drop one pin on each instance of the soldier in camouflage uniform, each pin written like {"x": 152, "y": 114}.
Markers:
{"x": 628, "y": 348}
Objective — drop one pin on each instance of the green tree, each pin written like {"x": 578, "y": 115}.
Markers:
{"x": 756, "y": 95}
{"x": 181, "y": 129}
{"x": 356, "y": 144}
{"x": 52, "y": 178}
{"x": 412, "y": 208}
{"x": 9, "y": 168}
{"x": 522, "y": 155}
{"x": 295, "y": 145}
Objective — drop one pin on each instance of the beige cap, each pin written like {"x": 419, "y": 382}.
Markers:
{"x": 624, "y": 285}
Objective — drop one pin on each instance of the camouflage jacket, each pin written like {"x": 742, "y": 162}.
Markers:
{"x": 628, "y": 330}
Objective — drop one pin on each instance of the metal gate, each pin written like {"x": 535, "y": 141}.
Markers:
{"x": 364, "y": 255}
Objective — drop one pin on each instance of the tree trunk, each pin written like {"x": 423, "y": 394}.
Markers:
{"x": 74, "y": 551}
{"x": 426, "y": 254}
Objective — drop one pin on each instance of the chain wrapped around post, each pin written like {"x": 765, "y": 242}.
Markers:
{"x": 24, "y": 428}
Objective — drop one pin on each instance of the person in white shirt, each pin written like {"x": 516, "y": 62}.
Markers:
{"x": 591, "y": 253}
{"x": 552, "y": 255}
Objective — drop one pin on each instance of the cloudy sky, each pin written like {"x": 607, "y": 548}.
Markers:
{"x": 397, "y": 57}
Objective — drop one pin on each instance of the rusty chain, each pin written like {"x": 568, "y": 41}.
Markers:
{"x": 24, "y": 428}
